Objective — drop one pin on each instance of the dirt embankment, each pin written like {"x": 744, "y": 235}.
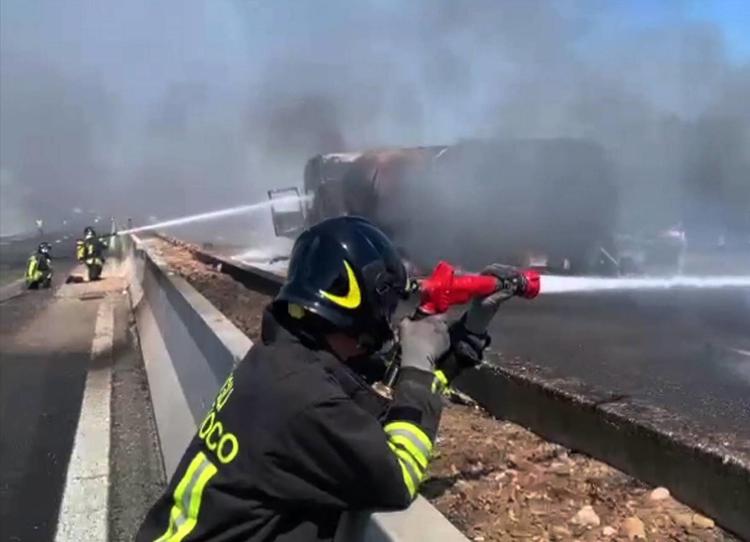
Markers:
{"x": 495, "y": 480}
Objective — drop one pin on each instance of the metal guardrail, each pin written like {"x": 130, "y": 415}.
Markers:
{"x": 189, "y": 348}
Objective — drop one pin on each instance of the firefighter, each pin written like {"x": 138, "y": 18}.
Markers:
{"x": 39, "y": 268}
{"x": 91, "y": 252}
{"x": 295, "y": 436}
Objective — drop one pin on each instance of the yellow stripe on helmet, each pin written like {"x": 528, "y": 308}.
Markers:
{"x": 353, "y": 297}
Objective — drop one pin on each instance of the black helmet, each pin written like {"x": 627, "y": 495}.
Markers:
{"x": 44, "y": 248}
{"x": 348, "y": 275}
{"x": 89, "y": 232}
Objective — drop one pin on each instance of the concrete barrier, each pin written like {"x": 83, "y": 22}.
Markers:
{"x": 189, "y": 348}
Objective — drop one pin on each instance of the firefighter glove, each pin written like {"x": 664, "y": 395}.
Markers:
{"x": 468, "y": 348}
{"x": 482, "y": 310}
{"x": 423, "y": 342}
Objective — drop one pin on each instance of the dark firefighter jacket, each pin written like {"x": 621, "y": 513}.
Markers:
{"x": 94, "y": 250}
{"x": 293, "y": 439}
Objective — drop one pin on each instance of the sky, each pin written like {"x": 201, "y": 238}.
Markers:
{"x": 159, "y": 108}
{"x": 732, "y": 17}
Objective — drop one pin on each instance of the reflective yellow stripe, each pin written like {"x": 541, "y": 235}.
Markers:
{"x": 404, "y": 456}
{"x": 195, "y": 503}
{"x": 183, "y": 517}
{"x": 31, "y": 269}
{"x": 410, "y": 484}
{"x": 403, "y": 441}
{"x": 412, "y": 448}
{"x": 33, "y": 273}
{"x": 179, "y": 492}
{"x": 440, "y": 382}
{"x": 412, "y": 430}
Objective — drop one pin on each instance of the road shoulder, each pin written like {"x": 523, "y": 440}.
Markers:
{"x": 136, "y": 468}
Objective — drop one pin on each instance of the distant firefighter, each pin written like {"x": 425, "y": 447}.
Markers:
{"x": 39, "y": 268}
{"x": 90, "y": 250}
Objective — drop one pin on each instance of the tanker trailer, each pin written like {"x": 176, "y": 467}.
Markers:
{"x": 356, "y": 183}
{"x": 525, "y": 202}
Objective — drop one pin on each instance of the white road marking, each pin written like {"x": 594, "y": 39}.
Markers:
{"x": 84, "y": 509}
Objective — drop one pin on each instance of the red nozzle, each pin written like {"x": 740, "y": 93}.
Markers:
{"x": 443, "y": 288}
{"x": 532, "y": 285}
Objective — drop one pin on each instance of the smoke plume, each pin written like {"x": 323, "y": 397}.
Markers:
{"x": 156, "y": 109}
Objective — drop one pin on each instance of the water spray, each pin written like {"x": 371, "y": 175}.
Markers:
{"x": 213, "y": 215}
{"x": 445, "y": 288}
{"x": 531, "y": 283}
{"x": 552, "y": 284}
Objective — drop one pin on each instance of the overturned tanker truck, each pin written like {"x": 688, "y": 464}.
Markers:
{"x": 544, "y": 203}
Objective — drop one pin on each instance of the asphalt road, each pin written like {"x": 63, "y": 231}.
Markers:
{"x": 45, "y": 352}
{"x": 688, "y": 352}
{"x": 40, "y": 396}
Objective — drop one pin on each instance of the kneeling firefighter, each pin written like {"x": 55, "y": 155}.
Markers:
{"x": 295, "y": 435}
{"x": 91, "y": 251}
{"x": 39, "y": 268}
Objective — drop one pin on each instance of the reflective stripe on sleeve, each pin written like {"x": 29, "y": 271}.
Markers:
{"x": 183, "y": 517}
{"x": 411, "y": 479}
{"x": 420, "y": 454}
{"x": 412, "y": 448}
{"x": 415, "y": 470}
{"x": 413, "y": 432}
{"x": 440, "y": 382}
